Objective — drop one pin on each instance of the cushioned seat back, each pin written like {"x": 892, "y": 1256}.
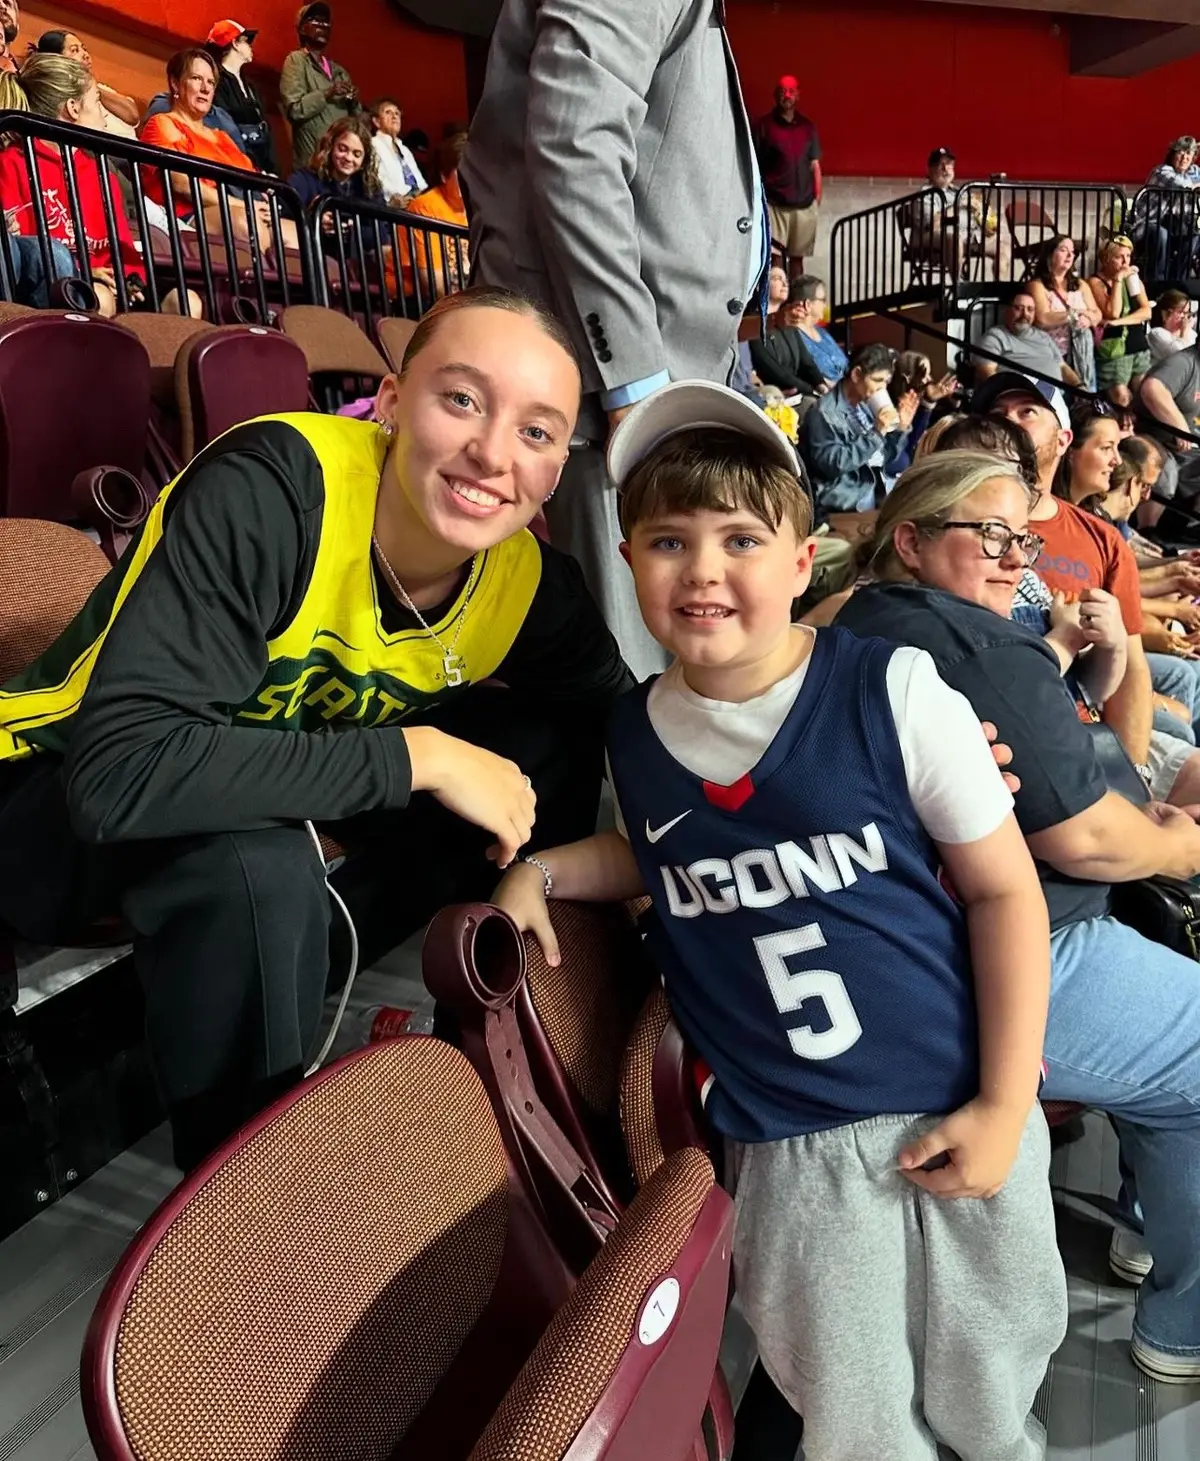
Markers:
{"x": 91, "y": 369}
{"x": 661, "y": 1092}
{"x": 47, "y": 571}
{"x": 332, "y": 343}
{"x": 162, "y": 336}
{"x": 394, "y": 334}
{"x": 624, "y": 1371}
{"x": 576, "y": 1020}
{"x": 232, "y": 374}
{"x": 353, "y": 1275}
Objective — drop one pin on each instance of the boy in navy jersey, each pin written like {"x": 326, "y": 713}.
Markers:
{"x": 789, "y": 800}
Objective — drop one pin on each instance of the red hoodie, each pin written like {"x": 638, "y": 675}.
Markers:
{"x": 15, "y": 194}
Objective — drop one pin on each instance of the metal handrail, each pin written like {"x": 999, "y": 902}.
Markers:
{"x": 253, "y": 268}
{"x": 373, "y": 251}
{"x": 894, "y": 252}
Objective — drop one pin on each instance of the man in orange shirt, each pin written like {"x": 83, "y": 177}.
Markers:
{"x": 443, "y": 204}
{"x": 1080, "y": 551}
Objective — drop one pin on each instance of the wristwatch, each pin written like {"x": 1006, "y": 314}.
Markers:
{"x": 1143, "y": 771}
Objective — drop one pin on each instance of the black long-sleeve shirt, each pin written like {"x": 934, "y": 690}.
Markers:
{"x": 153, "y": 750}
{"x": 782, "y": 359}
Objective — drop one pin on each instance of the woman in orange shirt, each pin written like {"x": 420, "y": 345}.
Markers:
{"x": 443, "y": 204}
{"x": 192, "y": 83}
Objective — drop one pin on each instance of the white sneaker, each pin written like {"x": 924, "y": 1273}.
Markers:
{"x": 1128, "y": 1257}
{"x": 1168, "y": 1369}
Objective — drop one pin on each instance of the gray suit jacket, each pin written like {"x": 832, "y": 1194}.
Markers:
{"x": 610, "y": 175}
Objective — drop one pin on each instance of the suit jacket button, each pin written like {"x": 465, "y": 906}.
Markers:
{"x": 601, "y": 343}
{"x": 735, "y": 306}
{"x": 604, "y": 356}
{"x": 744, "y": 225}
{"x": 593, "y": 319}
{"x": 597, "y": 330}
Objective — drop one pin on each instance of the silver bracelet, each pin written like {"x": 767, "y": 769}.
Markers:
{"x": 537, "y": 862}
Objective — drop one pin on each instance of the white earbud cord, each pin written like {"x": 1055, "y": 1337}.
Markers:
{"x": 352, "y": 974}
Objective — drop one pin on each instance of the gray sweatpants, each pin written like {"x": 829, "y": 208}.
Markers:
{"x": 582, "y": 518}
{"x": 893, "y": 1320}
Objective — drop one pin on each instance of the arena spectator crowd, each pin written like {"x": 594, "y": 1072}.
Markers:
{"x": 855, "y": 559}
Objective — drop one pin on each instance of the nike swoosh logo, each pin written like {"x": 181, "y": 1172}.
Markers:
{"x": 653, "y": 836}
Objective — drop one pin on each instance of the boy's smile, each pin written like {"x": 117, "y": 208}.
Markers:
{"x": 716, "y": 589}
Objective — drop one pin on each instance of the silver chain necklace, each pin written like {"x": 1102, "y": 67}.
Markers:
{"x": 452, "y": 663}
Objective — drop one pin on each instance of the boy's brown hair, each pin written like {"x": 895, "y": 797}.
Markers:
{"x": 714, "y": 469}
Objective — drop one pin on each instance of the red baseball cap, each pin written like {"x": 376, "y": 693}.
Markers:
{"x": 225, "y": 32}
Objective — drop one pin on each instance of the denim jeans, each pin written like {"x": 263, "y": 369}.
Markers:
{"x": 1179, "y": 678}
{"x": 30, "y": 285}
{"x": 1124, "y": 1035}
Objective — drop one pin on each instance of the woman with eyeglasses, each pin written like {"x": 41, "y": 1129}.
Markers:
{"x": 1172, "y": 327}
{"x": 951, "y": 544}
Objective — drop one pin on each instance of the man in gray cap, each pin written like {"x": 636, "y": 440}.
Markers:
{"x": 314, "y": 91}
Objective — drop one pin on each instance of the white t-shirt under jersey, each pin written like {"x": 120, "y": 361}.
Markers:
{"x": 953, "y": 782}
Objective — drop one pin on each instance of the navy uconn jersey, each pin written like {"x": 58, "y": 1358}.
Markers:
{"x": 811, "y": 956}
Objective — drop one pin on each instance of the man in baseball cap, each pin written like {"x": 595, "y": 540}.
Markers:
{"x": 314, "y": 92}
{"x": 227, "y": 33}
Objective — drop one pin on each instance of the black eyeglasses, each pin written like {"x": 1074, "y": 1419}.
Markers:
{"x": 997, "y": 539}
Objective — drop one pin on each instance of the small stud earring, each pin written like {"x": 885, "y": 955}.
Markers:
{"x": 548, "y": 496}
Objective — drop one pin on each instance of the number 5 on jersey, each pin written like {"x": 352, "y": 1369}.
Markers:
{"x": 791, "y": 990}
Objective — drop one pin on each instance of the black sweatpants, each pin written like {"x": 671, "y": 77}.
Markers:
{"x": 232, "y": 931}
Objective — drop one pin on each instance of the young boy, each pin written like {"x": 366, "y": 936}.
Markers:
{"x": 789, "y": 800}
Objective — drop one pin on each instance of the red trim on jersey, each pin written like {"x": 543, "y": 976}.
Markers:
{"x": 731, "y": 798}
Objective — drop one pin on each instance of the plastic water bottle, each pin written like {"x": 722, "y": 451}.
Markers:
{"x": 381, "y": 1022}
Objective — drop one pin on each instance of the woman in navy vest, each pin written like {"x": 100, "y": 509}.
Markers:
{"x": 1124, "y": 1011}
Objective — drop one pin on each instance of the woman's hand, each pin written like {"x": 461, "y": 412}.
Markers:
{"x": 522, "y": 895}
{"x": 906, "y": 409}
{"x": 1002, "y": 755}
{"x": 973, "y": 1151}
{"x": 1180, "y": 645}
{"x": 938, "y": 390}
{"x": 475, "y": 784}
{"x": 1065, "y": 623}
{"x": 1100, "y": 620}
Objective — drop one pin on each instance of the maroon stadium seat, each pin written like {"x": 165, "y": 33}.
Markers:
{"x": 359, "y": 1273}
{"x": 52, "y": 363}
{"x": 568, "y": 1056}
{"x": 229, "y": 375}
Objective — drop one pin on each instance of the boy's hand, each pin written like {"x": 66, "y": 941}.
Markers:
{"x": 522, "y": 895}
{"x": 977, "y": 1145}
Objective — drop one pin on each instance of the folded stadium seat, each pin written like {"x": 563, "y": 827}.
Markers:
{"x": 232, "y": 374}
{"x": 89, "y": 469}
{"x": 393, "y": 334}
{"x": 337, "y": 352}
{"x": 359, "y": 1274}
{"x": 482, "y": 974}
{"x": 162, "y": 336}
{"x": 574, "y": 1022}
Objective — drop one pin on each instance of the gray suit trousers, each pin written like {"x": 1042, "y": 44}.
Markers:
{"x": 582, "y": 518}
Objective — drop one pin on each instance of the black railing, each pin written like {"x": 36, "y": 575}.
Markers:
{"x": 1003, "y": 226}
{"x": 895, "y": 253}
{"x": 1163, "y": 223}
{"x": 237, "y": 239}
{"x": 379, "y": 262}
{"x": 937, "y": 247}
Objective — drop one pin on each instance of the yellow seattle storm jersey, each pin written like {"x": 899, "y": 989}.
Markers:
{"x": 330, "y": 663}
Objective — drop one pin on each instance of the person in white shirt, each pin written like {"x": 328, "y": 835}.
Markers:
{"x": 1172, "y": 327}
{"x": 399, "y": 176}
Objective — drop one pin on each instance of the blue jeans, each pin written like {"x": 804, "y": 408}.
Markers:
{"x": 1124, "y": 1035}
{"x": 1179, "y": 678}
{"x": 30, "y": 285}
